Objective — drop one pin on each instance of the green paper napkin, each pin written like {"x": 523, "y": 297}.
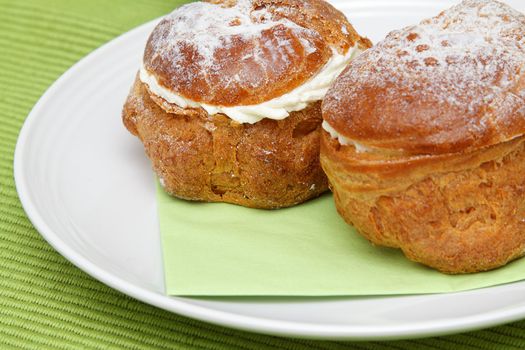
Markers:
{"x": 213, "y": 249}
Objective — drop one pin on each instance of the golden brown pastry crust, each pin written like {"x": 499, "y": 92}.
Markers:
{"x": 270, "y": 164}
{"x": 237, "y": 52}
{"x": 252, "y": 66}
{"x": 441, "y": 107}
{"x": 458, "y": 213}
{"x": 452, "y": 83}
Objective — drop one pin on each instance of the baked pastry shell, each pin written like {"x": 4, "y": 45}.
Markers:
{"x": 453, "y": 83}
{"x": 202, "y": 157}
{"x": 233, "y": 75}
{"x": 459, "y": 213}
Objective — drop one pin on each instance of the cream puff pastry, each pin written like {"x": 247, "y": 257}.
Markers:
{"x": 228, "y": 99}
{"x": 423, "y": 140}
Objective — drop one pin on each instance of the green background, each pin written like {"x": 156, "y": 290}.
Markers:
{"x": 47, "y": 303}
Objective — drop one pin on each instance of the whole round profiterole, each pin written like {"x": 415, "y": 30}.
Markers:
{"x": 228, "y": 100}
{"x": 424, "y": 141}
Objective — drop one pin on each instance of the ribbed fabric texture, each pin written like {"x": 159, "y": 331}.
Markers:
{"x": 47, "y": 303}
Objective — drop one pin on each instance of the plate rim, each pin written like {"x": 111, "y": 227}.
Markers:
{"x": 223, "y": 318}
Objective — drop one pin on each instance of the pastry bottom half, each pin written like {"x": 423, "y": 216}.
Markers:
{"x": 201, "y": 157}
{"x": 458, "y": 213}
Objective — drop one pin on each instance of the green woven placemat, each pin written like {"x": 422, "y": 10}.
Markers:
{"x": 47, "y": 303}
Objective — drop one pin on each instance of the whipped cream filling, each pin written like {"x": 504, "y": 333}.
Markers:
{"x": 278, "y": 108}
{"x": 344, "y": 141}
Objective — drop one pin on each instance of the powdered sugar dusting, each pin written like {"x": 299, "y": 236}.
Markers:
{"x": 210, "y": 27}
{"x": 466, "y": 58}
{"x": 471, "y": 47}
{"x": 197, "y": 39}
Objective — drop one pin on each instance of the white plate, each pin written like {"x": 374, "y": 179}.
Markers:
{"x": 87, "y": 187}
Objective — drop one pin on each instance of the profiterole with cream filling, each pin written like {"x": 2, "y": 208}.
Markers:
{"x": 424, "y": 141}
{"x": 228, "y": 99}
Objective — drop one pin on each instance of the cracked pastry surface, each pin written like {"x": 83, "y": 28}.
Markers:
{"x": 424, "y": 140}
{"x": 228, "y": 100}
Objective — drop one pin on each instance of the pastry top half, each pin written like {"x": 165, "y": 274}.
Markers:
{"x": 453, "y": 83}
{"x": 227, "y": 53}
